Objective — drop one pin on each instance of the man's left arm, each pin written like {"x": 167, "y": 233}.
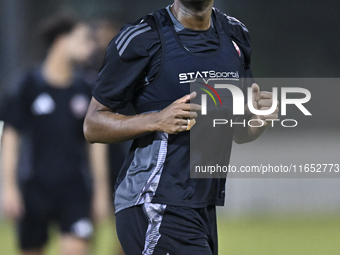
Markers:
{"x": 262, "y": 100}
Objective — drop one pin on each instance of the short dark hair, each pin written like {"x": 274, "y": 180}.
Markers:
{"x": 55, "y": 26}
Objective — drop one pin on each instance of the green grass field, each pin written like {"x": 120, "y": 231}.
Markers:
{"x": 289, "y": 236}
{"x": 244, "y": 236}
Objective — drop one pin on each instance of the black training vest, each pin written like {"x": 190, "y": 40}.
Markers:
{"x": 175, "y": 187}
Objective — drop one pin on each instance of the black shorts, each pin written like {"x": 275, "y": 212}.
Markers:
{"x": 167, "y": 230}
{"x": 69, "y": 207}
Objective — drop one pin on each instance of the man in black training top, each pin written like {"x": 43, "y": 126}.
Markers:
{"x": 44, "y": 124}
{"x": 160, "y": 209}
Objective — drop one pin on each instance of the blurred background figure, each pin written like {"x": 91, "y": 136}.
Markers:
{"x": 46, "y": 160}
{"x": 104, "y": 30}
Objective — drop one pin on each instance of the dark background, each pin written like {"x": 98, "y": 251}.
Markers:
{"x": 291, "y": 38}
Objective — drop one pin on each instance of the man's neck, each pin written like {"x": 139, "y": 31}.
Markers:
{"x": 57, "y": 69}
{"x": 193, "y": 15}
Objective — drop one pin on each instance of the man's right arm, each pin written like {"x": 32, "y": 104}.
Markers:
{"x": 12, "y": 202}
{"x": 103, "y": 125}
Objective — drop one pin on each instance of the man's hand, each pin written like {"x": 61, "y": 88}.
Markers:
{"x": 174, "y": 118}
{"x": 263, "y": 100}
{"x": 13, "y": 206}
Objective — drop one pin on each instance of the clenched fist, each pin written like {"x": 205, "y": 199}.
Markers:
{"x": 179, "y": 116}
{"x": 263, "y": 100}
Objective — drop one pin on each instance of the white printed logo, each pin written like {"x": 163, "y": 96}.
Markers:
{"x": 78, "y": 105}
{"x": 43, "y": 105}
{"x": 208, "y": 76}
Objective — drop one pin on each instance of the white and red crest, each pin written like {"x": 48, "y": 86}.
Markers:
{"x": 237, "y": 49}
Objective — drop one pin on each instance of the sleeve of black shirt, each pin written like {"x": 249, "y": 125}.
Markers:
{"x": 239, "y": 33}
{"x": 125, "y": 63}
{"x": 16, "y": 107}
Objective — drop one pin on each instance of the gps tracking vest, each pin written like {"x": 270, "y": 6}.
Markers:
{"x": 157, "y": 169}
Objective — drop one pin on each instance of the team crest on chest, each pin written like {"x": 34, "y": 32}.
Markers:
{"x": 43, "y": 105}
